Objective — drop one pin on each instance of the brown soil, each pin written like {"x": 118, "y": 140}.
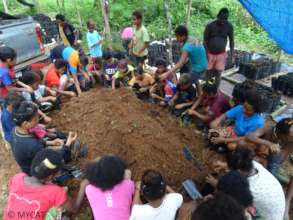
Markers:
{"x": 147, "y": 137}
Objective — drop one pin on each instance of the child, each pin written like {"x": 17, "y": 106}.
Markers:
{"x": 57, "y": 79}
{"x": 184, "y": 98}
{"x": 94, "y": 41}
{"x": 211, "y": 104}
{"x": 141, "y": 83}
{"x": 7, "y": 75}
{"x": 25, "y": 145}
{"x": 85, "y": 78}
{"x": 272, "y": 143}
{"x": 247, "y": 119}
{"x": 110, "y": 190}
{"x": 11, "y": 100}
{"x": 110, "y": 67}
{"x": 124, "y": 74}
{"x": 32, "y": 196}
{"x": 140, "y": 41}
{"x": 162, "y": 201}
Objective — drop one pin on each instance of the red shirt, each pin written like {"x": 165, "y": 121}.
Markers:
{"x": 31, "y": 203}
{"x": 217, "y": 106}
{"x": 52, "y": 78}
{"x": 6, "y": 79}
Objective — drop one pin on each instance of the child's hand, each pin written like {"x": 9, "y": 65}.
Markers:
{"x": 218, "y": 140}
{"x": 127, "y": 174}
{"x": 57, "y": 142}
{"x": 47, "y": 119}
{"x": 180, "y": 106}
{"x": 171, "y": 103}
{"x": 52, "y": 99}
{"x": 71, "y": 138}
{"x": 275, "y": 148}
{"x": 211, "y": 180}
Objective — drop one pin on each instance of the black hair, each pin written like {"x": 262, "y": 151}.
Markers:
{"x": 38, "y": 74}
{"x": 29, "y": 78}
{"x": 153, "y": 185}
{"x": 84, "y": 60}
{"x": 139, "y": 70}
{"x": 13, "y": 98}
{"x": 60, "y": 63}
{"x": 181, "y": 30}
{"x": 240, "y": 159}
{"x": 255, "y": 100}
{"x": 7, "y": 53}
{"x": 24, "y": 111}
{"x": 60, "y": 17}
{"x": 161, "y": 62}
{"x": 221, "y": 206}
{"x": 46, "y": 162}
{"x": 223, "y": 13}
{"x": 107, "y": 55}
{"x": 236, "y": 186}
{"x": 184, "y": 79}
{"x": 283, "y": 126}
{"x": 106, "y": 173}
{"x": 210, "y": 87}
{"x": 137, "y": 14}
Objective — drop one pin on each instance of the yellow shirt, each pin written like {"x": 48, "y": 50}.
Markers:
{"x": 147, "y": 80}
{"x": 63, "y": 36}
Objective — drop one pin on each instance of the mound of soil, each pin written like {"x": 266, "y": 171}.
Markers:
{"x": 147, "y": 137}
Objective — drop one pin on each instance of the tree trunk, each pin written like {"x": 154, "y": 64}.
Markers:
{"x": 166, "y": 6}
{"x": 105, "y": 12}
{"x": 5, "y": 6}
{"x": 61, "y": 6}
{"x": 188, "y": 12}
{"x": 78, "y": 13}
{"x": 37, "y": 6}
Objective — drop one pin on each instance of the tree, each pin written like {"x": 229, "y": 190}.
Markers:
{"x": 105, "y": 12}
{"x": 61, "y": 6}
{"x": 5, "y": 6}
{"x": 166, "y": 6}
{"x": 188, "y": 12}
{"x": 78, "y": 13}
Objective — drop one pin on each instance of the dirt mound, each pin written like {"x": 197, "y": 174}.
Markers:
{"x": 116, "y": 122}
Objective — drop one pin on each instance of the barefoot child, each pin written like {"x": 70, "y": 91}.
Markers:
{"x": 124, "y": 74}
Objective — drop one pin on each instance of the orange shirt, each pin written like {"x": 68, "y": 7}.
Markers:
{"x": 52, "y": 78}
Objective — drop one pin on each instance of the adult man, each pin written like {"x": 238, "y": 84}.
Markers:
{"x": 68, "y": 34}
{"x": 215, "y": 41}
{"x": 140, "y": 40}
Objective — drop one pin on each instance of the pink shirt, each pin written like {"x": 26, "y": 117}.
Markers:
{"x": 112, "y": 204}
{"x": 127, "y": 33}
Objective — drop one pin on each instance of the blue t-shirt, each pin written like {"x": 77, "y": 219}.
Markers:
{"x": 5, "y": 80}
{"x": 197, "y": 56}
{"x": 92, "y": 39}
{"x": 244, "y": 125}
{"x": 7, "y": 124}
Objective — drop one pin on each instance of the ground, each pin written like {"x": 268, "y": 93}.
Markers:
{"x": 116, "y": 122}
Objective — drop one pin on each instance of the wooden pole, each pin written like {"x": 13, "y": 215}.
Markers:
{"x": 166, "y": 6}
{"x": 78, "y": 13}
{"x": 188, "y": 12}
{"x": 105, "y": 12}
{"x": 5, "y": 6}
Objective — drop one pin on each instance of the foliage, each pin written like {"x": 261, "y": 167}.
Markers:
{"x": 248, "y": 34}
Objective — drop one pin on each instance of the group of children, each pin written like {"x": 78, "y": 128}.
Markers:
{"x": 240, "y": 187}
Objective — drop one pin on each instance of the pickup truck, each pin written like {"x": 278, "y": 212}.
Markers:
{"x": 25, "y": 36}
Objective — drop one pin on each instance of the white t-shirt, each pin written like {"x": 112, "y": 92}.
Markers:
{"x": 40, "y": 92}
{"x": 268, "y": 195}
{"x": 167, "y": 210}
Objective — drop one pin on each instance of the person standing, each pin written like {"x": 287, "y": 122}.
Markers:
{"x": 215, "y": 40}
{"x": 68, "y": 34}
{"x": 94, "y": 41}
{"x": 126, "y": 36}
{"x": 140, "y": 40}
{"x": 194, "y": 53}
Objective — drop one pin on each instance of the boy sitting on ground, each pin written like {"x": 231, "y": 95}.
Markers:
{"x": 247, "y": 119}
{"x": 124, "y": 74}
{"x": 141, "y": 83}
{"x": 57, "y": 79}
{"x": 109, "y": 68}
{"x": 211, "y": 104}
{"x": 184, "y": 98}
